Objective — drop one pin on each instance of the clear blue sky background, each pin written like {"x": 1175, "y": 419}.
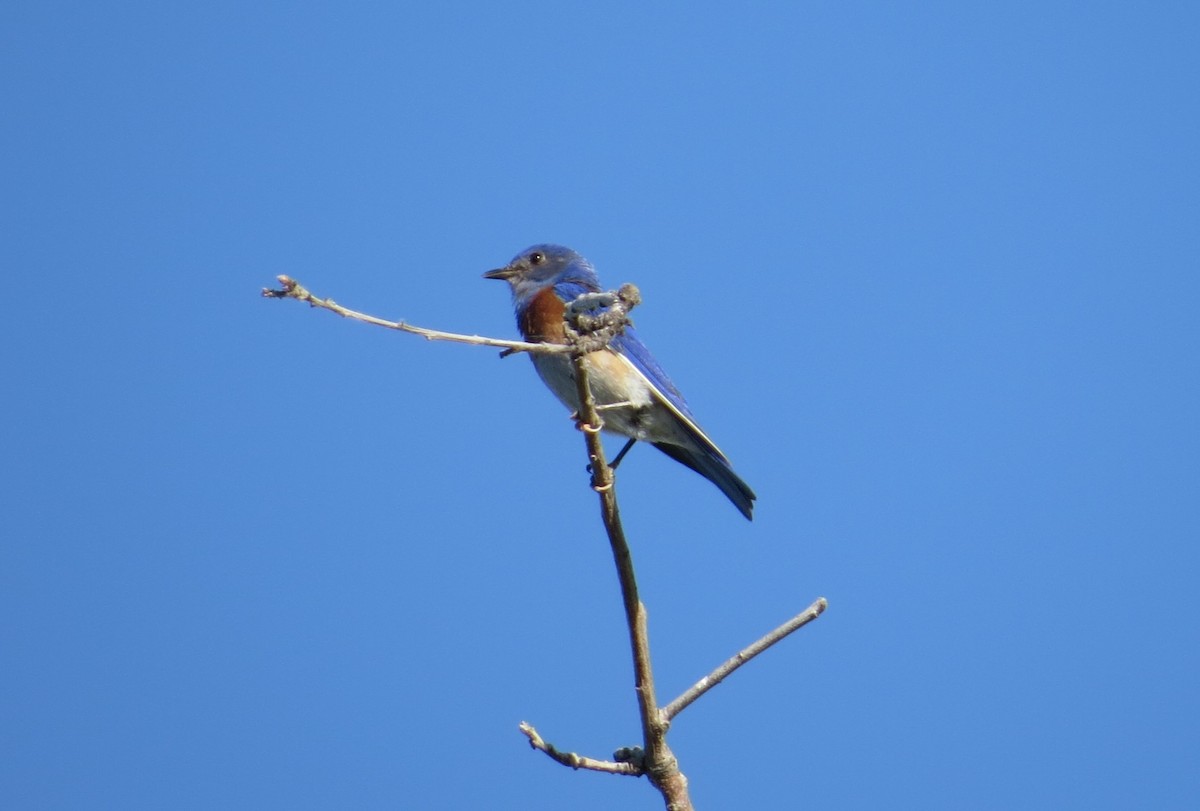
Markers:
{"x": 928, "y": 275}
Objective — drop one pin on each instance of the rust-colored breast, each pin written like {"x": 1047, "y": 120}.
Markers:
{"x": 542, "y": 319}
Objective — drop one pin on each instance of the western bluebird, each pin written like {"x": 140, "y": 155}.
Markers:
{"x": 636, "y": 398}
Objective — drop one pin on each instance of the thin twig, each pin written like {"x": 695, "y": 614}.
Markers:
{"x": 741, "y": 657}
{"x": 577, "y": 761}
{"x": 293, "y": 289}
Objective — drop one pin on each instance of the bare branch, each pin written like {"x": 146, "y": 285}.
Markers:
{"x": 293, "y": 289}
{"x": 577, "y": 761}
{"x": 658, "y": 761}
{"x": 745, "y": 655}
{"x": 593, "y": 321}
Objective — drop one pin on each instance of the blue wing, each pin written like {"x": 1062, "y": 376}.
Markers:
{"x": 570, "y": 289}
{"x": 631, "y": 347}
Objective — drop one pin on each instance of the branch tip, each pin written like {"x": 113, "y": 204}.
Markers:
{"x": 741, "y": 657}
{"x": 290, "y": 288}
{"x": 574, "y": 760}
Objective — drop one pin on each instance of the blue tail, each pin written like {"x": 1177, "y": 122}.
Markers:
{"x": 717, "y": 471}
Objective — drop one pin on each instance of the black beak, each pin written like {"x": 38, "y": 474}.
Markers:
{"x": 504, "y": 274}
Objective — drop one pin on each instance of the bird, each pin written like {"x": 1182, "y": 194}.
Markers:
{"x": 633, "y": 394}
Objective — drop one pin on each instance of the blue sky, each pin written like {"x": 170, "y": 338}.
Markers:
{"x": 928, "y": 275}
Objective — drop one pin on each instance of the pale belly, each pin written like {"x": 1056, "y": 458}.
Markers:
{"x": 636, "y": 410}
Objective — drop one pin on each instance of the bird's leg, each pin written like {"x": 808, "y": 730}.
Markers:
{"x": 616, "y": 459}
{"x": 621, "y": 455}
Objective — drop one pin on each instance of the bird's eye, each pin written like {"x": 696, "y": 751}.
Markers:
{"x": 536, "y": 258}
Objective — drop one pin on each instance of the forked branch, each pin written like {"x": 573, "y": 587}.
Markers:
{"x": 593, "y": 321}
{"x": 658, "y": 762}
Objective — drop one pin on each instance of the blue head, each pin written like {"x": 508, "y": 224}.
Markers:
{"x": 541, "y": 266}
